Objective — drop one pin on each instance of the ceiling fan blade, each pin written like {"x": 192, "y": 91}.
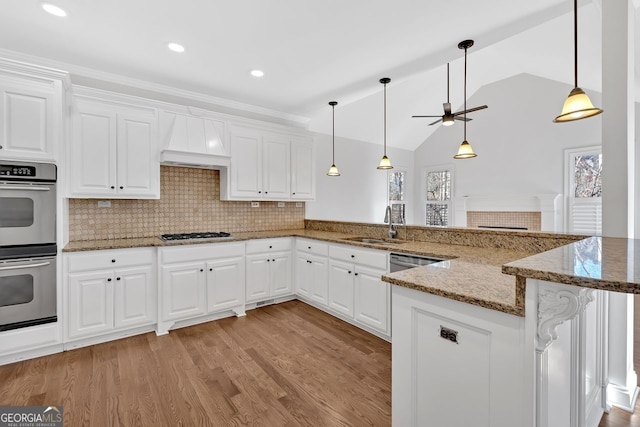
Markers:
{"x": 437, "y": 121}
{"x": 417, "y": 117}
{"x": 447, "y": 108}
{"x": 462, "y": 119}
{"x": 471, "y": 110}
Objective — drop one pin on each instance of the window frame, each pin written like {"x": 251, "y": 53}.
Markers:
{"x": 423, "y": 188}
{"x": 404, "y": 194}
{"x": 569, "y": 185}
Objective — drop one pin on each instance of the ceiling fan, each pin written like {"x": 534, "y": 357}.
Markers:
{"x": 448, "y": 117}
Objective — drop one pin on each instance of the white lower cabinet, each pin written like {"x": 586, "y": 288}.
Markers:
{"x": 200, "y": 279}
{"x": 356, "y": 290}
{"x": 268, "y": 269}
{"x": 312, "y": 278}
{"x": 109, "y": 291}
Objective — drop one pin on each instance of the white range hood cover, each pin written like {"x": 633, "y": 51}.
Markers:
{"x": 193, "y": 141}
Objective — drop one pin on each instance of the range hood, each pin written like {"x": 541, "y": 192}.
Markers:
{"x": 193, "y": 140}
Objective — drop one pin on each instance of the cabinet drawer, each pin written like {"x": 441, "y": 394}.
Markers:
{"x": 371, "y": 258}
{"x": 109, "y": 259}
{"x": 312, "y": 247}
{"x": 268, "y": 245}
{"x": 200, "y": 252}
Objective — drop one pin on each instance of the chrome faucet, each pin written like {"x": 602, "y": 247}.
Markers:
{"x": 387, "y": 218}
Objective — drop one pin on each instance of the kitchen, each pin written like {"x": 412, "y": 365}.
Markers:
{"x": 359, "y": 194}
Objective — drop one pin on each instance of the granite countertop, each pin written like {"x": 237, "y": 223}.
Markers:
{"x": 608, "y": 263}
{"x": 456, "y": 279}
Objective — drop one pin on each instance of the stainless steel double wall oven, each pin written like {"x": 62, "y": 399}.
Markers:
{"x": 27, "y": 244}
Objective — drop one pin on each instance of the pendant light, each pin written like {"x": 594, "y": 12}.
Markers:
{"x": 333, "y": 170}
{"x": 578, "y": 105}
{"x": 465, "y": 151}
{"x": 385, "y": 163}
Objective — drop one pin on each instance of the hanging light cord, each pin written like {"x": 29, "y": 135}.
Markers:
{"x": 448, "y": 83}
{"x": 333, "y": 130}
{"x": 465, "y": 93}
{"x": 575, "y": 42}
{"x": 385, "y": 120}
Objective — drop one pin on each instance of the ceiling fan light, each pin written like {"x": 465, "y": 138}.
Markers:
{"x": 385, "y": 163}
{"x": 465, "y": 151}
{"x": 333, "y": 171}
{"x": 577, "y": 106}
{"x": 447, "y": 120}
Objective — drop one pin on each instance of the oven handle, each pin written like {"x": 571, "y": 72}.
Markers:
{"x": 16, "y": 267}
{"x": 23, "y": 187}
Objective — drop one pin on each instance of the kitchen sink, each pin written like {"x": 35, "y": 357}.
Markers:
{"x": 374, "y": 241}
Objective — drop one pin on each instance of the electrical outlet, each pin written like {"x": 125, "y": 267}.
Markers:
{"x": 104, "y": 203}
{"x": 298, "y": 204}
{"x": 255, "y": 204}
{"x": 281, "y": 204}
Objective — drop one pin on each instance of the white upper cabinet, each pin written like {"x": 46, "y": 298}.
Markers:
{"x": 31, "y": 105}
{"x": 303, "y": 170}
{"x": 268, "y": 165}
{"x": 114, "y": 151}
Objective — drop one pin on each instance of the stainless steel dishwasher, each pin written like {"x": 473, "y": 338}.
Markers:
{"x": 399, "y": 262}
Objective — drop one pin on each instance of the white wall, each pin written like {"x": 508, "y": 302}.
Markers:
{"x": 359, "y": 194}
{"x": 520, "y": 150}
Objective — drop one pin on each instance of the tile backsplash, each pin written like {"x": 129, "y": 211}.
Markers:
{"x": 189, "y": 202}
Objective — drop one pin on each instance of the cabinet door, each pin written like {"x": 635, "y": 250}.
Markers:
{"x": 257, "y": 278}
{"x": 246, "y": 164}
{"x": 341, "y": 292}
{"x": 225, "y": 284}
{"x": 93, "y": 151}
{"x": 183, "y": 290}
{"x": 280, "y": 274}
{"x": 304, "y": 278}
{"x": 134, "y": 297}
{"x": 27, "y": 120}
{"x": 90, "y": 303}
{"x": 276, "y": 166}
{"x": 138, "y": 164}
{"x": 320, "y": 275}
{"x": 303, "y": 171}
{"x": 372, "y": 299}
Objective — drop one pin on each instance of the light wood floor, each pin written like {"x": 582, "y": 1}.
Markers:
{"x": 282, "y": 365}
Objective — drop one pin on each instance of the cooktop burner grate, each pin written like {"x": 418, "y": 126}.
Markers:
{"x": 203, "y": 235}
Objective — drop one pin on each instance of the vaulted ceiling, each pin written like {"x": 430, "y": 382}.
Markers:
{"x": 312, "y": 52}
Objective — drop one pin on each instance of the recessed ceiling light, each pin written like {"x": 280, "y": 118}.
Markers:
{"x": 176, "y": 47}
{"x": 53, "y": 9}
{"x": 257, "y": 73}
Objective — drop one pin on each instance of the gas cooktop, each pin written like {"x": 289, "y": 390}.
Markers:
{"x": 188, "y": 236}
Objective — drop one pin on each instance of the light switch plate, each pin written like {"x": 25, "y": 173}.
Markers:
{"x": 104, "y": 203}
{"x": 255, "y": 204}
{"x": 281, "y": 204}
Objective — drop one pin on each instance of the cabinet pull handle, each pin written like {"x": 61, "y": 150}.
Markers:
{"x": 309, "y": 262}
{"x": 113, "y": 260}
{"x": 117, "y": 278}
{"x": 109, "y": 279}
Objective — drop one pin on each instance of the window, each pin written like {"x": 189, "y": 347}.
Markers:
{"x": 583, "y": 185}
{"x": 396, "y": 197}
{"x": 438, "y": 197}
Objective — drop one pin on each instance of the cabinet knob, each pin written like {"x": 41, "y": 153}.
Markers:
{"x": 349, "y": 272}
{"x": 353, "y": 256}
{"x": 0, "y": 147}
{"x": 113, "y": 187}
{"x": 259, "y": 192}
{"x": 309, "y": 262}
{"x": 201, "y": 269}
{"x": 270, "y": 247}
{"x": 268, "y": 260}
{"x": 117, "y": 278}
{"x": 113, "y": 260}
{"x": 294, "y": 194}
{"x": 273, "y": 260}
{"x": 109, "y": 279}
{"x": 211, "y": 269}
{"x": 355, "y": 274}
{"x": 309, "y": 247}
{"x": 122, "y": 187}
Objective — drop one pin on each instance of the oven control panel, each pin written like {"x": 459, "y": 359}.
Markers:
{"x": 15, "y": 170}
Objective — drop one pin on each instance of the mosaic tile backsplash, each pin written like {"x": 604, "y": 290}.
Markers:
{"x": 189, "y": 202}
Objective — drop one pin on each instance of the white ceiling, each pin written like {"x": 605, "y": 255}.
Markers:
{"x": 314, "y": 52}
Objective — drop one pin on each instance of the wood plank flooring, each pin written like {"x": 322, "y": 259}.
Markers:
{"x": 283, "y": 365}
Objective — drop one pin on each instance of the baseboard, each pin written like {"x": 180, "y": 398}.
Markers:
{"x": 621, "y": 397}
{"x": 30, "y": 354}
